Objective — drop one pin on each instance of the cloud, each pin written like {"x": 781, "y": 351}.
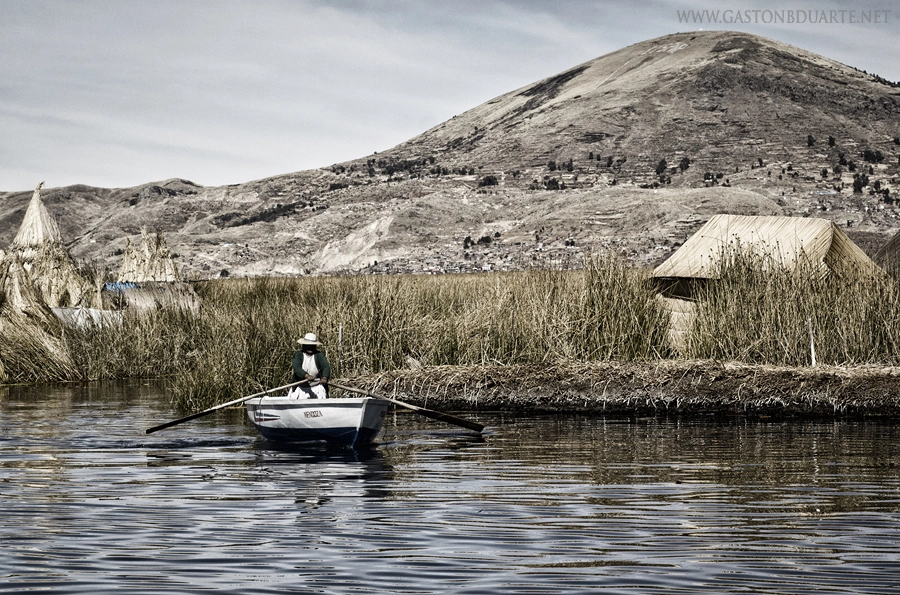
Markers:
{"x": 120, "y": 93}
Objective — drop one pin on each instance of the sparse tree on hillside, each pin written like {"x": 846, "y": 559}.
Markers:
{"x": 684, "y": 164}
{"x": 830, "y": 141}
{"x": 661, "y": 167}
{"x": 873, "y": 156}
{"x": 551, "y": 165}
{"x": 810, "y": 141}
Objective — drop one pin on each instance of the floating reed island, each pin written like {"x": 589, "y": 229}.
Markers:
{"x": 813, "y": 329}
{"x": 665, "y": 387}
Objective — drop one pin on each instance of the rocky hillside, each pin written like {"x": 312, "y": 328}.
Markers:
{"x": 631, "y": 151}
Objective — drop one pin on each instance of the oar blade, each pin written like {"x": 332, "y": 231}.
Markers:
{"x": 175, "y": 422}
{"x": 450, "y": 419}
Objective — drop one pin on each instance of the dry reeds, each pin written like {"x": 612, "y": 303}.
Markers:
{"x": 242, "y": 337}
{"x": 248, "y": 328}
{"x": 29, "y": 352}
{"x": 755, "y": 312}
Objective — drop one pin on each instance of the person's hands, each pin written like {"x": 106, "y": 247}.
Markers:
{"x": 324, "y": 380}
{"x": 310, "y": 377}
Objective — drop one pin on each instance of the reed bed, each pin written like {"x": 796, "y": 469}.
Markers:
{"x": 33, "y": 352}
{"x": 242, "y": 338}
{"x": 374, "y": 324}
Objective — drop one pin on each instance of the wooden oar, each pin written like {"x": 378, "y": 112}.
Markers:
{"x": 169, "y": 424}
{"x": 450, "y": 419}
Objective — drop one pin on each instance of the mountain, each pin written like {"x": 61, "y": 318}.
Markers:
{"x": 546, "y": 173}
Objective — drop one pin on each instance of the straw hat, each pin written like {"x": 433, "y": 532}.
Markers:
{"x": 309, "y": 339}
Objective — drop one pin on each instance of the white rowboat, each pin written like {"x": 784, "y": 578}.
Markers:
{"x": 345, "y": 422}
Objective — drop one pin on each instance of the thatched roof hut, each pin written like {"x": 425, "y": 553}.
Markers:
{"x": 27, "y": 327}
{"x": 146, "y": 297}
{"x": 46, "y": 264}
{"x": 149, "y": 279}
{"x": 151, "y": 261}
{"x": 779, "y": 242}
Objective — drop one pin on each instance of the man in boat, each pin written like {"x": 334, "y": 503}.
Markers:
{"x": 311, "y": 364}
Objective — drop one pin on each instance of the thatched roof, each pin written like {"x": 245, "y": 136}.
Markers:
{"x": 56, "y": 277}
{"x": 38, "y": 227}
{"x": 152, "y": 261}
{"x": 888, "y": 256}
{"x": 788, "y": 242}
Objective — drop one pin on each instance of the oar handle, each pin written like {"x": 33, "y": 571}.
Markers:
{"x": 169, "y": 424}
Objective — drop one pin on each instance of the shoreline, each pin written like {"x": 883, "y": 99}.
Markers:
{"x": 648, "y": 388}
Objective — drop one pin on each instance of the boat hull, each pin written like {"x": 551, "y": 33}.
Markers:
{"x": 345, "y": 422}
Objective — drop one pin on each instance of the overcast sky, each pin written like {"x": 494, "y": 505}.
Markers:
{"x": 117, "y": 93}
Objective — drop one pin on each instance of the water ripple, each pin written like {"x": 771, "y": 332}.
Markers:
{"x": 539, "y": 505}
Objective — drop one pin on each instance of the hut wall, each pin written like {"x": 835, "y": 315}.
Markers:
{"x": 86, "y": 318}
{"x": 147, "y": 297}
{"x": 681, "y": 317}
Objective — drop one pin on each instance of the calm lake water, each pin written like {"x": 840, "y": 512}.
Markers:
{"x": 539, "y": 504}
